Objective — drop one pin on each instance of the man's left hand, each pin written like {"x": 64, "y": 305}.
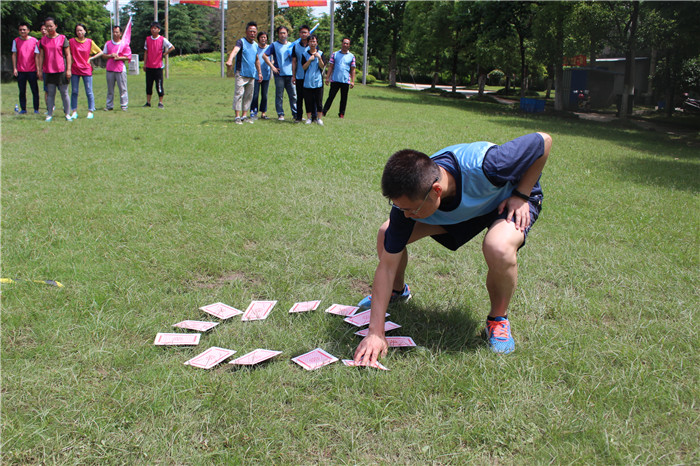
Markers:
{"x": 519, "y": 207}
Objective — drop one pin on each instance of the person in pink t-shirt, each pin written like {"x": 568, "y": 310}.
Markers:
{"x": 25, "y": 62}
{"x": 117, "y": 54}
{"x": 55, "y": 64}
{"x": 157, "y": 47}
{"x": 81, "y": 48}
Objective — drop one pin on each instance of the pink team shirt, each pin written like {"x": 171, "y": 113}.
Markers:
{"x": 80, "y": 52}
{"x": 26, "y": 49}
{"x": 53, "y": 53}
{"x": 154, "y": 52}
{"x": 112, "y": 64}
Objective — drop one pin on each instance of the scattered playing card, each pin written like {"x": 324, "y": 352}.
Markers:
{"x": 388, "y": 325}
{"x": 351, "y": 362}
{"x": 360, "y": 319}
{"x": 342, "y": 310}
{"x": 255, "y": 357}
{"x": 210, "y": 357}
{"x": 258, "y": 310}
{"x": 221, "y": 310}
{"x": 177, "y": 339}
{"x": 396, "y": 342}
{"x": 305, "y": 306}
{"x": 198, "y": 325}
{"x": 314, "y": 359}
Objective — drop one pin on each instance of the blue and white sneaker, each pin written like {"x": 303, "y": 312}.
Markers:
{"x": 498, "y": 334}
{"x": 404, "y": 296}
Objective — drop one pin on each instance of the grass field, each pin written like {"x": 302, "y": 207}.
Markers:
{"x": 147, "y": 215}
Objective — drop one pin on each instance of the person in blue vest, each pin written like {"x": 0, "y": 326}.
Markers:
{"x": 247, "y": 71}
{"x": 313, "y": 66}
{"x": 452, "y": 196}
{"x": 281, "y": 53}
{"x": 261, "y": 85}
{"x": 301, "y": 45}
{"x": 341, "y": 77}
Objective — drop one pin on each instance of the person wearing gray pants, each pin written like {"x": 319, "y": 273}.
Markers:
{"x": 117, "y": 54}
{"x": 120, "y": 79}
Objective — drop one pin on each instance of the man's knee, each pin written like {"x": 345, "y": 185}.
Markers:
{"x": 499, "y": 252}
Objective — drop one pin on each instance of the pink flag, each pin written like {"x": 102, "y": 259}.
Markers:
{"x": 126, "y": 38}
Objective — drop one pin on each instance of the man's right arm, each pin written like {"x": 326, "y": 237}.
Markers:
{"x": 374, "y": 344}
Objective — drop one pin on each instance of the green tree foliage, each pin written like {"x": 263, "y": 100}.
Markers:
{"x": 385, "y": 31}
{"x": 294, "y": 18}
{"x": 92, "y": 14}
{"x": 191, "y": 29}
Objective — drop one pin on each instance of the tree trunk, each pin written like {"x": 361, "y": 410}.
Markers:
{"x": 455, "y": 62}
{"x": 559, "y": 102}
{"x": 392, "y": 69}
{"x": 436, "y": 73}
{"x": 482, "y": 84}
{"x": 507, "y": 84}
{"x": 628, "y": 89}
{"x": 523, "y": 67}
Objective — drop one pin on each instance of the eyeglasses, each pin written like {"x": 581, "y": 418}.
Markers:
{"x": 415, "y": 212}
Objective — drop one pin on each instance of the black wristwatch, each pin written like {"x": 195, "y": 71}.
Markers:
{"x": 522, "y": 196}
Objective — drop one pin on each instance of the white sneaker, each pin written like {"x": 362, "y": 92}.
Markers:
{"x": 238, "y": 121}
{"x": 280, "y": 118}
{"x": 68, "y": 117}
{"x": 320, "y": 122}
{"x": 49, "y": 118}
{"x": 74, "y": 115}
{"x": 308, "y": 122}
{"x": 90, "y": 116}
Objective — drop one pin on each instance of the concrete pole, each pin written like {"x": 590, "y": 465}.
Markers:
{"x": 332, "y": 47}
{"x": 223, "y": 39}
{"x": 364, "y": 62}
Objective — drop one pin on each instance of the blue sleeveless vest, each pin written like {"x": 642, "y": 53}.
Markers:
{"x": 479, "y": 196}
{"x": 248, "y": 54}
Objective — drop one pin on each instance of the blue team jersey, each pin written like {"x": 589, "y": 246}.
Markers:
{"x": 264, "y": 67}
{"x": 299, "y": 53}
{"x": 313, "y": 78}
{"x": 282, "y": 55}
{"x": 245, "y": 61}
{"x": 342, "y": 63}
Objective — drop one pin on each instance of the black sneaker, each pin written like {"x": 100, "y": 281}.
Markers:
{"x": 146, "y": 104}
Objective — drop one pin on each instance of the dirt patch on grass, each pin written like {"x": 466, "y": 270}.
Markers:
{"x": 361, "y": 286}
{"x": 210, "y": 282}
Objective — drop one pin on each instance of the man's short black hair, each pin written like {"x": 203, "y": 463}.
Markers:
{"x": 118, "y": 27}
{"x": 49, "y": 18}
{"x": 305, "y": 27}
{"x": 156, "y": 24}
{"x": 251, "y": 23}
{"x": 279, "y": 28}
{"x": 24, "y": 24}
{"x": 260, "y": 34}
{"x": 408, "y": 173}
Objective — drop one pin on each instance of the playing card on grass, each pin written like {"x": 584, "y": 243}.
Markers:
{"x": 305, "y": 306}
{"x": 210, "y": 357}
{"x": 314, "y": 359}
{"x": 258, "y": 310}
{"x": 255, "y": 357}
{"x": 388, "y": 325}
{"x": 342, "y": 310}
{"x": 396, "y": 342}
{"x": 177, "y": 339}
{"x": 221, "y": 310}
{"x": 198, "y": 325}
{"x": 360, "y": 319}
{"x": 351, "y": 362}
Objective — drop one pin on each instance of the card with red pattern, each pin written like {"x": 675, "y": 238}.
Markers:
{"x": 397, "y": 342}
{"x": 304, "y": 306}
{"x": 221, "y": 310}
{"x": 258, "y": 310}
{"x": 210, "y": 357}
{"x": 342, "y": 310}
{"x": 360, "y": 319}
{"x": 177, "y": 339}
{"x": 197, "y": 325}
{"x": 388, "y": 325}
{"x": 314, "y": 359}
{"x": 255, "y": 357}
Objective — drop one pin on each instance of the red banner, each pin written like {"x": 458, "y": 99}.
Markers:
{"x": 211, "y": 3}
{"x": 578, "y": 60}
{"x": 307, "y": 2}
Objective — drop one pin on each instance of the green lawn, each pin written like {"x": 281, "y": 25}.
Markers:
{"x": 147, "y": 215}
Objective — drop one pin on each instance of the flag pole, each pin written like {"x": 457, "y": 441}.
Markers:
{"x": 167, "y": 61}
{"x": 364, "y": 61}
{"x": 223, "y": 38}
{"x": 332, "y": 47}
